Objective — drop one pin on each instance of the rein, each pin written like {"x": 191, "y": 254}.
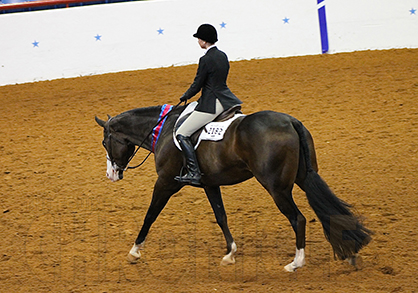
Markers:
{"x": 146, "y": 137}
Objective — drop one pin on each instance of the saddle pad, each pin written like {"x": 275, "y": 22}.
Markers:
{"x": 213, "y": 131}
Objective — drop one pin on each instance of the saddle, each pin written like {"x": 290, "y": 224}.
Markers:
{"x": 223, "y": 117}
{"x": 228, "y": 113}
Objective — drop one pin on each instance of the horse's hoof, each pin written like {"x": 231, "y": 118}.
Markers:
{"x": 356, "y": 261}
{"x": 227, "y": 260}
{"x": 290, "y": 268}
{"x": 133, "y": 259}
{"x": 298, "y": 262}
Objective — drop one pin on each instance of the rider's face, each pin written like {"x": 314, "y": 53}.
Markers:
{"x": 202, "y": 43}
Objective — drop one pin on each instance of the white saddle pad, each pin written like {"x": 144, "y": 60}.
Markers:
{"x": 213, "y": 131}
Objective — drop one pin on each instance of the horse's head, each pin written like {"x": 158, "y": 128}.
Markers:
{"x": 118, "y": 148}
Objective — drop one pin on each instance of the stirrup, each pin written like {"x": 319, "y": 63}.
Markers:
{"x": 187, "y": 179}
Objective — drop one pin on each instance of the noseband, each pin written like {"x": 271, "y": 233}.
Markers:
{"x": 109, "y": 153}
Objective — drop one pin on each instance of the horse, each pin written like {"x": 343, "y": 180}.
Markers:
{"x": 275, "y": 148}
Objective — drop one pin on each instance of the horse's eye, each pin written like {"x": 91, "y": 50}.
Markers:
{"x": 104, "y": 144}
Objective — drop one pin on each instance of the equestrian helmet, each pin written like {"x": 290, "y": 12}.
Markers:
{"x": 207, "y": 33}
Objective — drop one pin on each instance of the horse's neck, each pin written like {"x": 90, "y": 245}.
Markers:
{"x": 137, "y": 124}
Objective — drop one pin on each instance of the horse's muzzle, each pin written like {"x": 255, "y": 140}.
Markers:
{"x": 113, "y": 172}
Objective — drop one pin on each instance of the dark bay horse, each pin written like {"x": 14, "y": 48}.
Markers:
{"x": 273, "y": 147}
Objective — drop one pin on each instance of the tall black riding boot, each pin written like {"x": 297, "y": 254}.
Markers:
{"x": 193, "y": 176}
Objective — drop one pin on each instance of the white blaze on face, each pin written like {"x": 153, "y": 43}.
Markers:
{"x": 111, "y": 172}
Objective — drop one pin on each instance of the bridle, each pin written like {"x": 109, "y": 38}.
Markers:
{"x": 110, "y": 158}
{"x": 109, "y": 151}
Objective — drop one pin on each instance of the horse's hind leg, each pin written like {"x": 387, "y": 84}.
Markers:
{"x": 282, "y": 196}
{"x": 287, "y": 206}
{"x": 215, "y": 198}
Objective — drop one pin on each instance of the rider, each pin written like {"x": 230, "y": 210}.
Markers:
{"x": 216, "y": 97}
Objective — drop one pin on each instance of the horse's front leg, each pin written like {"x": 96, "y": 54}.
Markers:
{"x": 161, "y": 194}
{"x": 215, "y": 199}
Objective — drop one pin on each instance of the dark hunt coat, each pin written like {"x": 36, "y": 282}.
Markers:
{"x": 211, "y": 78}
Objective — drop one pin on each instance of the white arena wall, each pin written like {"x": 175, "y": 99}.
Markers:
{"x": 96, "y": 39}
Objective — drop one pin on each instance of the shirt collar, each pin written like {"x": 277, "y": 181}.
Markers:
{"x": 213, "y": 46}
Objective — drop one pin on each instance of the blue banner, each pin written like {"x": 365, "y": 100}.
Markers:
{"x": 323, "y": 28}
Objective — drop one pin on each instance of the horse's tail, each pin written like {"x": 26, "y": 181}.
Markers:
{"x": 342, "y": 228}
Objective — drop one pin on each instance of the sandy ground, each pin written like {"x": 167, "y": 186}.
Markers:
{"x": 66, "y": 228}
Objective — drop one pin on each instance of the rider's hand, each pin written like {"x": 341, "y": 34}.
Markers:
{"x": 183, "y": 98}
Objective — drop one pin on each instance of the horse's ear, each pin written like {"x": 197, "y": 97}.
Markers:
{"x": 109, "y": 117}
{"x": 100, "y": 122}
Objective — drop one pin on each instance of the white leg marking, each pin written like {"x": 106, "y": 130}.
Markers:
{"x": 229, "y": 259}
{"x": 356, "y": 261}
{"x": 298, "y": 262}
{"x": 134, "y": 254}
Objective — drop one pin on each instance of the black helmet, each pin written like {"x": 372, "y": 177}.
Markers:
{"x": 207, "y": 33}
